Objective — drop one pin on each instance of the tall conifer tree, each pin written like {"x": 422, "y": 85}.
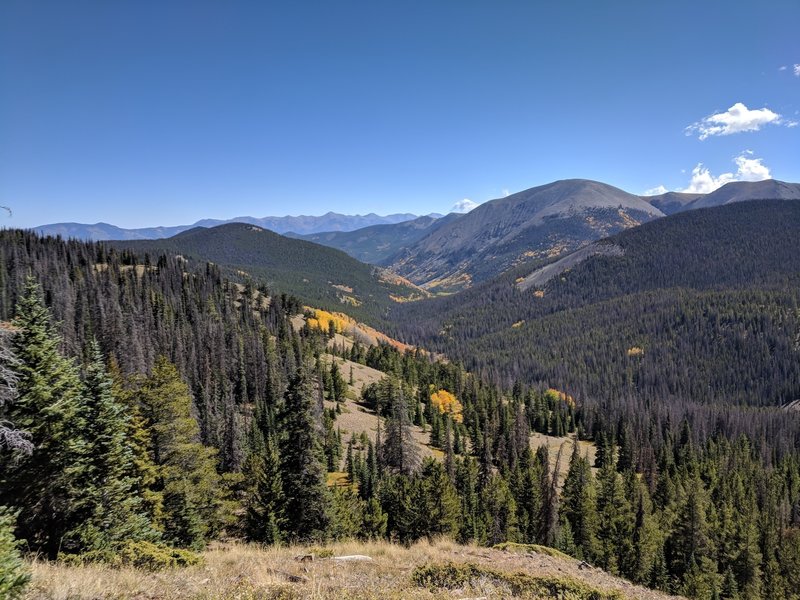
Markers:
{"x": 302, "y": 468}
{"x": 45, "y": 485}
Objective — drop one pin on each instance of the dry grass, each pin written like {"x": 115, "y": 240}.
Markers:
{"x": 238, "y": 571}
{"x": 565, "y": 444}
{"x": 357, "y": 419}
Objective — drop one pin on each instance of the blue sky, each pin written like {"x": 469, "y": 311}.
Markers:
{"x": 144, "y": 113}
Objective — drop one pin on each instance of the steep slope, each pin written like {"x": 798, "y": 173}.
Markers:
{"x": 701, "y": 306}
{"x": 741, "y": 191}
{"x": 318, "y": 275}
{"x": 378, "y": 243}
{"x": 301, "y": 225}
{"x": 672, "y": 202}
{"x": 543, "y": 221}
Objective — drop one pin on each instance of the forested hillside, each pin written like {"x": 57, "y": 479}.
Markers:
{"x": 151, "y": 405}
{"x": 322, "y": 276}
{"x": 700, "y": 306}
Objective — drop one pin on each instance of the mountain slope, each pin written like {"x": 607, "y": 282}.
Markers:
{"x": 378, "y": 243}
{"x": 741, "y": 191}
{"x": 539, "y": 222}
{"x": 301, "y": 225}
{"x": 700, "y": 306}
{"x": 318, "y": 275}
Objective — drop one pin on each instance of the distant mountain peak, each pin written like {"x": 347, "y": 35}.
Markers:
{"x": 302, "y": 224}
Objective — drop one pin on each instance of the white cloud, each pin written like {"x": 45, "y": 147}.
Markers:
{"x": 782, "y": 68}
{"x": 464, "y": 206}
{"x": 656, "y": 191}
{"x": 506, "y": 193}
{"x": 747, "y": 169}
{"x": 736, "y": 119}
{"x": 796, "y": 70}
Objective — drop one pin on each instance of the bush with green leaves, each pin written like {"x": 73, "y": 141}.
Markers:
{"x": 141, "y": 554}
{"x": 13, "y": 573}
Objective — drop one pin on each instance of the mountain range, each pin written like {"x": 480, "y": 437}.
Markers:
{"x": 455, "y": 252}
{"x": 303, "y": 224}
{"x": 543, "y": 222}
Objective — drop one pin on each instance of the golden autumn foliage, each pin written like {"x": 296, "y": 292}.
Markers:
{"x": 446, "y": 402}
{"x": 322, "y": 320}
{"x": 555, "y": 395}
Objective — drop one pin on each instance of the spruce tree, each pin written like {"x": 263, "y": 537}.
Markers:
{"x": 614, "y": 517}
{"x": 306, "y": 508}
{"x": 112, "y": 509}
{"x": 264, "y": 520}
{"x": 437, "y": 500}
{"x": 400, "y": 451}
{"x": 142, "y": 470}
{"x": 187, "y": 475}
{"x": 45, "y": 485}
{"x": 375, "y": 520}
{"x": 689, "y": 538}
{"x": 577, "y": 505}
{"x": 499, "y": 512}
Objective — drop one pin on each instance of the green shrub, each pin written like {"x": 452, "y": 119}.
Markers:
{"x": 138, "y": 554}
{"x": 13, "y": 574}
{"x": 156, "y": 557}
{"x": 459, "y": 575}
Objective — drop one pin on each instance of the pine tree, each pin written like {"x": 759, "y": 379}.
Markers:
{"x": 437, "y": 500}
{"x": 614, "y": 517}
{"x": 375, "y": 520}
{"x": 499, "y": 512}
{"x": 187, "y": 475}
{"x": 111, "y": 507}
{"x": 264, "y": 505}
{"x": 45, "y": 485}
{"x": 141, "y": 469}
{"x": 346, "y": 514}
{"x": 578, "y": 505}
{"x": 400, "y": 451}
{"x": 306, "y": 508}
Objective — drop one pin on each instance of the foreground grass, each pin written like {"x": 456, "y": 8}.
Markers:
{"x": 426, "y": 570}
